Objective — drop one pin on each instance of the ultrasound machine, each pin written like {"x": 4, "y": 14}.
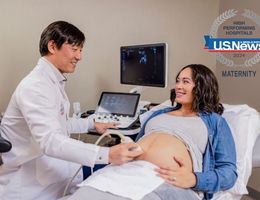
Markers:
{"x": 140, "y": 65}
{"x": 117, "y": 107}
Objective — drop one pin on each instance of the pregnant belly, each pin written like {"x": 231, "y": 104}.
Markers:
{"x": 160, "y": 148}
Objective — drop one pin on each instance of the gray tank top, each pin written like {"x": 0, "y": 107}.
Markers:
{"x": 191, "y": 130}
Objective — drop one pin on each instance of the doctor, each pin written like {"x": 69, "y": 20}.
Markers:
{"x": 37, "y": 123}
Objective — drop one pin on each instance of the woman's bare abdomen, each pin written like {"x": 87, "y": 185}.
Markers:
{"x": 161, "y": 148}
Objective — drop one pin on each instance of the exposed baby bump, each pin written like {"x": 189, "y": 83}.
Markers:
{"x": 160, "y": 148}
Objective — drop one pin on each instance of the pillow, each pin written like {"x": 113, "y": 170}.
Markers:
{"x": 256, "y": 152}
{"x": 244, "y": 123}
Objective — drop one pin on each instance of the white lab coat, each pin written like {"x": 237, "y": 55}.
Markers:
{"x": 43, "y": 157}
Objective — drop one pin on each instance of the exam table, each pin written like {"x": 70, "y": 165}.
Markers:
{"x": 244, "y": 123}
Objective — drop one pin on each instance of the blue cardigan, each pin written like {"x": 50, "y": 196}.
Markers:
{"x": 219, "y": 159}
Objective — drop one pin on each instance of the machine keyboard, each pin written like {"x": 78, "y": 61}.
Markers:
{"x": 123, "y": 121}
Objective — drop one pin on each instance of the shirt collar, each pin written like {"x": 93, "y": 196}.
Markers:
{"x": 54, "y": 73}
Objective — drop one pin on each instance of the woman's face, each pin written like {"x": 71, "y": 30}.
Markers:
{"x": 183, "y": 87}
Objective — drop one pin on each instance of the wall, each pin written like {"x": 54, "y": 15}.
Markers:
{"x": 237, "y": 89}
{"x": 107, "y": 25}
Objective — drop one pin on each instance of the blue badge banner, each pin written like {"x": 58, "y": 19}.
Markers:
{"x": 232, "y": 44}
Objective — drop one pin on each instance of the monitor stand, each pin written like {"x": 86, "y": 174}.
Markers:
{"x": 142, "y": 104}
{"x": 137, "y": 89}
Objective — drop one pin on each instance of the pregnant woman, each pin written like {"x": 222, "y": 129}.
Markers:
{"x": 190, "y": 146}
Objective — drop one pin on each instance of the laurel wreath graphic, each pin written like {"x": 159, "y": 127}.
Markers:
{"x": 255, "y": 18}
{"x": 251, "y": 15}
{"x": 220, "y": 20}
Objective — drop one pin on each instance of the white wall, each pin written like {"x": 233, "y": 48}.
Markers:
{"x": 107, "y": 25}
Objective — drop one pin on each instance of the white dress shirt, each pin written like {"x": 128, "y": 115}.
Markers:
{"x": 37, "y": 123}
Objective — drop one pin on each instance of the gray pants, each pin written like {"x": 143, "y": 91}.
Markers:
{"x": 163, "y": 192}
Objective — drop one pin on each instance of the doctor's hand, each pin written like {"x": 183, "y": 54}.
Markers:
{"x": 179, "y": 176}
{"x": 102, "y": 127}
{"x": 124, "y": 152}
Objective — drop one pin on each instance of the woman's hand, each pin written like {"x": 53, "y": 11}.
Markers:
{"x": 178, "y": 176}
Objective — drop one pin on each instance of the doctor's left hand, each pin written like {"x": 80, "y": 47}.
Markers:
{"x": 178, "y": 176}
{"x": 102, "y": 127}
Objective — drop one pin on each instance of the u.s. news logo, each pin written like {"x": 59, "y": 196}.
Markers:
{"x": 232, "y": 44}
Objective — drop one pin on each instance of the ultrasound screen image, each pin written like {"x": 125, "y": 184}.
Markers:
{"x": 118, "y": 103}
{"x": 143, "y": 65}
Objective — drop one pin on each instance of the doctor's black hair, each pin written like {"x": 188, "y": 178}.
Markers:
{"x": 60, "y": 32}
{"x": 205, "y": 92}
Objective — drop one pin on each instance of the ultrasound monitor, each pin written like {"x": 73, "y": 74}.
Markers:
{"x": 144, "y": 65}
